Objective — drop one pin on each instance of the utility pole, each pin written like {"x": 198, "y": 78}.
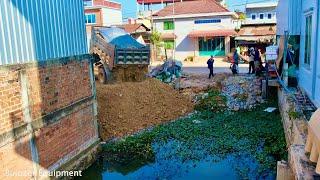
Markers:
{"x": 174, "y": 27}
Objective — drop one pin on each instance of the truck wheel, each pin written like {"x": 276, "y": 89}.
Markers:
{"x": 102, "y": 76}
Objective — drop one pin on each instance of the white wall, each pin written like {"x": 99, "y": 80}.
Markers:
{"x": 317, "y": 74}
{"x": 186, "y": 46}
{"x": 308, "y": 74}
{"x": 257, "y": 12}
{"x": 111, "y": 16}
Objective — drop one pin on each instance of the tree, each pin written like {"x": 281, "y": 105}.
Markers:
{"x": 156, "y": 42}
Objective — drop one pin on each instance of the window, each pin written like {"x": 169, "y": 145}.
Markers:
{"x": 253, "y": 16}
{"x": 212, "y": 46}
{"x": 90, "y": 19}
{"x": 168, "y": 44}
{"x": 261, "y": 16}
{"x": 269, "y": 16}
{"x": 308, "y": 38}
{"x": 87, "y": 3}
{"x": 206, "y": 21}
{"x": 168, "y": 25}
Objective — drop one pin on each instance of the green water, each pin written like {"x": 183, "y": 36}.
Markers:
{"x": 208, "y": 144}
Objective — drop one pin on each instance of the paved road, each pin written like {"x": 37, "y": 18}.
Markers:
{"x": 205, "y": 70}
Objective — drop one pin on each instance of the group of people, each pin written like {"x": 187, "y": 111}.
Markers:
{"x": 255, "y": 62}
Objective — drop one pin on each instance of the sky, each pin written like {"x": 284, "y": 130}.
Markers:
{"x": 129, "y": 7}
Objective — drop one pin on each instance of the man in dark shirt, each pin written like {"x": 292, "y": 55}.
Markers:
{"x": 210, "y": 66}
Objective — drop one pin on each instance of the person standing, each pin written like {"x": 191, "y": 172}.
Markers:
{"x": 257, "y": 60}
{"x": 210, "y": 66}
{"x": 236, "y": 57}
{"x": 251, "y": 61}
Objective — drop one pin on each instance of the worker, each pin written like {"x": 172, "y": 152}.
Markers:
{"x": 210, "y": 66}
{"x": 251, "y": 61}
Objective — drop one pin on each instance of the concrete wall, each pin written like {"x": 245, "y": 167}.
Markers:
{"x": 47, "y": 114}
{"x": 309, "y": 77}
{"x": 111, "y": 16}
{"x": 186, "y": 46}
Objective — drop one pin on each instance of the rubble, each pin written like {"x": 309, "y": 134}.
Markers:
{"x": 242, "y": 92}
{"x": 168, "y": 71}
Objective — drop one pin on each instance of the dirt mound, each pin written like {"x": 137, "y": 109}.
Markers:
{"x": 126, "y": 108}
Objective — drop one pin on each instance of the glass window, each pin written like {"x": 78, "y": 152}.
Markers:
{"x": 253, "y": 16}
{"x": 168, "y": 44}
{"x": 168, "y": 25}
{"x": 261, "y": 16}
{"x": 206, "y": 21}
{"x": 87, "y": 3}
{"x": 90, "y": 19}
{"x": 211, "y": 44}
{"x": 308, "y": 38}
{"x": 269, "y": 16}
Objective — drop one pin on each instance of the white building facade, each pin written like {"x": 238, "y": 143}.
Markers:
{"x": 196, "y": 35}
{"x": 261, "y": 13}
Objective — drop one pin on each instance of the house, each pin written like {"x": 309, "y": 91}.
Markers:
{"x": 303, "y": 22}
{"x": 48, "y": 118}
{"x": 195, "y": 29}
{"x": 102, "y": 13}
{"x": 259, "y": 26}
{"x": 137, "y": 30}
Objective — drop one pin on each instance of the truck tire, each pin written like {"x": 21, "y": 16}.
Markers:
{"x": 102, "y": 77}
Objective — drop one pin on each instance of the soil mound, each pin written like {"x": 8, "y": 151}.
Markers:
{"x": 126, "y": 108}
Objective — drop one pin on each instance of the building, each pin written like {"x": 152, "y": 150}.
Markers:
{"x": 195, "y": 29}
{"x": 303, "y": 20}
{"x": 138, "y": 31}
{"x": 259, "y": 26}
{"x": 102, "y": 13}
{"x": 47, "y": 96}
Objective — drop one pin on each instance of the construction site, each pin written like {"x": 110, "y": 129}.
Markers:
{"x": 90, "y": 100}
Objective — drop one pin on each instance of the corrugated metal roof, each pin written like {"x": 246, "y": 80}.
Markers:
{"x": 36, "y": 30}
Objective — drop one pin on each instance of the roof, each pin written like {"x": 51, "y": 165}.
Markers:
{"x": 168, "y": 36}
{"x": 257, "y": 30}
{"x": 212, "y": 33}
{"x": 262, "y": 5}
{"x": 191, "y": 7}
{"x": 132, "y": 28}
{"x": 158, "y": 1}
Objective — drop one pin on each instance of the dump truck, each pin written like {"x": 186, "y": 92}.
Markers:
{"x": 118, "y": 56}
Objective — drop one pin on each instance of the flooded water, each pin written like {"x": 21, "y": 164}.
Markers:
{"x": 205, "y": 145}
{"x": 166, "y": 166}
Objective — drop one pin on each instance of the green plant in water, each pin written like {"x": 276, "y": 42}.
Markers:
{"x": 211, "y": 133}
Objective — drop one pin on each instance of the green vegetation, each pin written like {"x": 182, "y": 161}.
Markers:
{"x": 211, "y": 131}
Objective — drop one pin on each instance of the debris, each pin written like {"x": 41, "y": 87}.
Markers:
{"x": 196, "y": 121}
{"x": 168, "y": 71}
{"x": 270, "y": 109}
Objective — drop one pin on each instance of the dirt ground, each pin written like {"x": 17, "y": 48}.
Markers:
{"x": 126, "y": 108}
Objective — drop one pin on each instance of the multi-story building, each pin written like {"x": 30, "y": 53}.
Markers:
{"x": 195, "y": 28}
{"x": 259, "y": 27}
{"x": 261, "y": 13}
{"x": 102, "y": 13}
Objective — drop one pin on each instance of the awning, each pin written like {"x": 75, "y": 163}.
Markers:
{"x": 168, "y": 36}
{"x": 212, "y": 33}
{"x": 255, "y": 38}
{"x": 261, "y": 30}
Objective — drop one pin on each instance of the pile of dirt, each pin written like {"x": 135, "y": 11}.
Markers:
{"x": 126, "y": 108}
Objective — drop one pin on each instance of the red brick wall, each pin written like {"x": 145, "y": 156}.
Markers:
{"x": 58, "y": 87}
{"x": 10, "y": 101}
